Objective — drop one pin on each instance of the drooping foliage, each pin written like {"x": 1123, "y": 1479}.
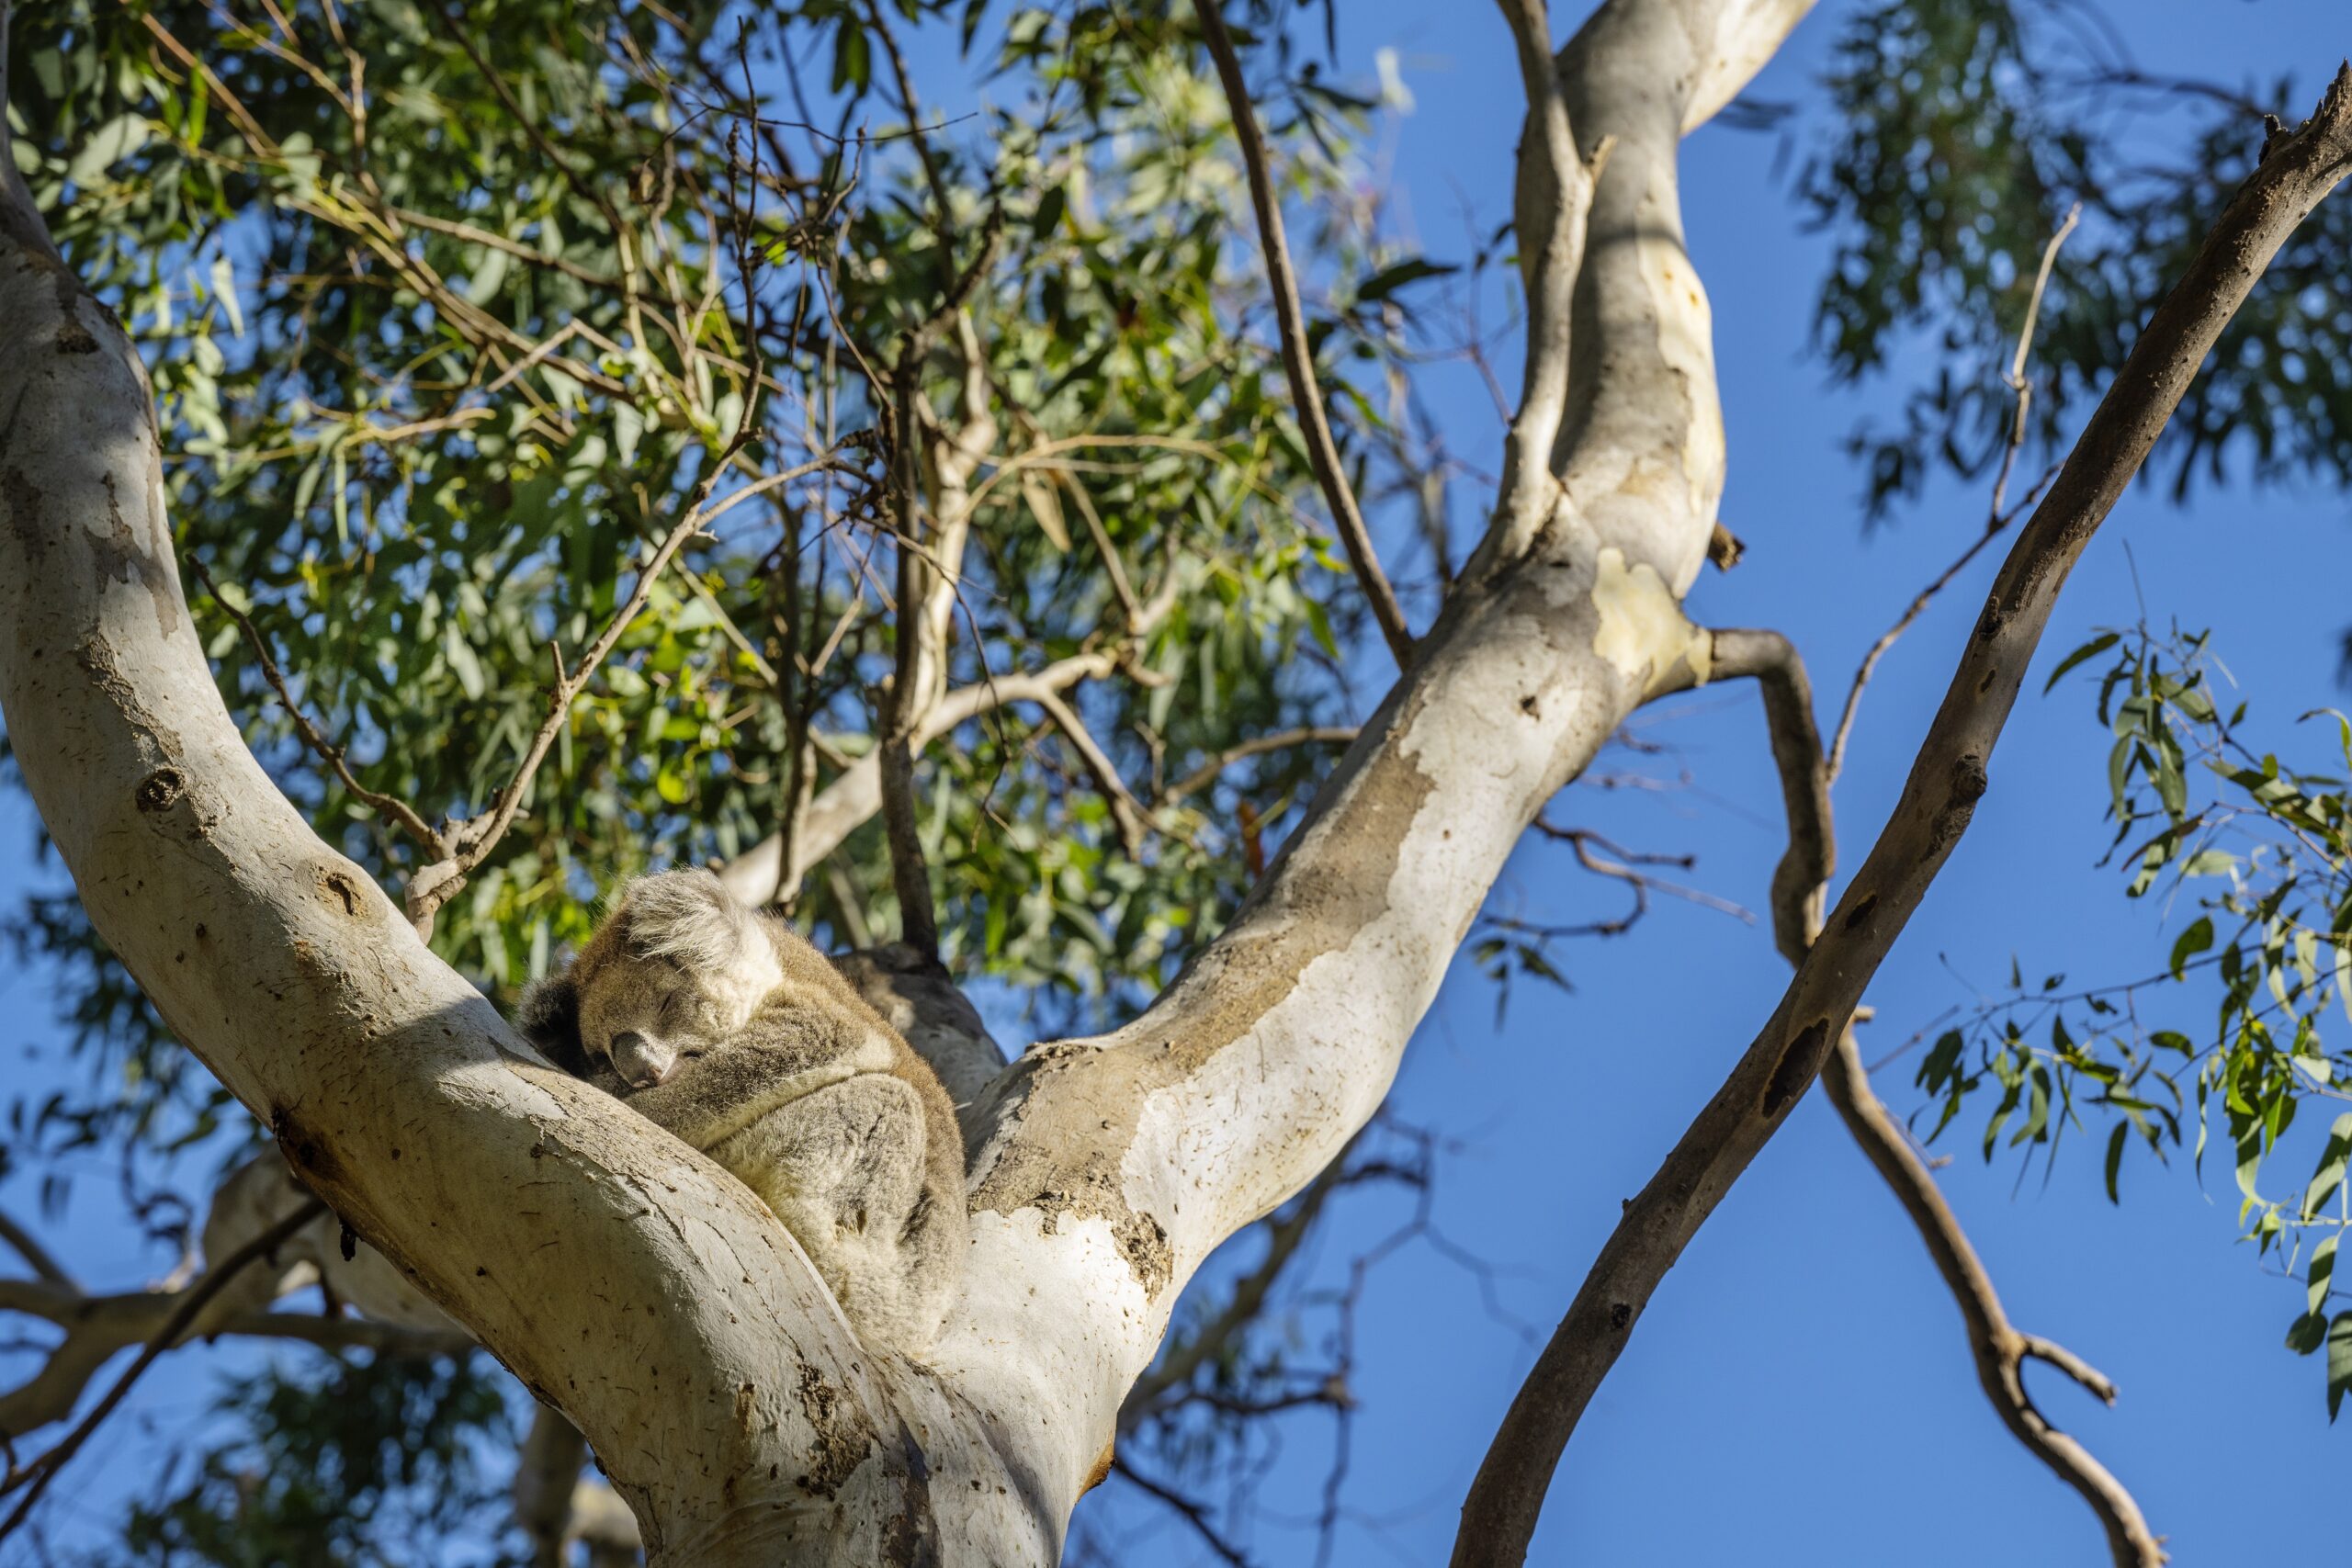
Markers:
{"x": 1966, "y": 131}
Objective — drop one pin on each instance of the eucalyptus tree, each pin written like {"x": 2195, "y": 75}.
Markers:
{"x": 454, "y": 459}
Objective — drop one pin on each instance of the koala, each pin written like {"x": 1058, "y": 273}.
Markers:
{"x": 728, "y": 1028}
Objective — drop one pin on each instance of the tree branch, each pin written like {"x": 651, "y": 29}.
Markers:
{"x": 1551, "y": 212}
{"x": 853, "y": 797}
{"x": 1997, "y": 520}
{"x": 1946, "y": 779}
{"x": 1211, "y": 771}
{"x": 35, "y": 1477}
{"x": 1298, "y": 360}
{"x": 399, "y": 812}
{"x": 97, "y": 1327}
{"x": 27, "y": 1245}
{"x": 1999, "y": 1351}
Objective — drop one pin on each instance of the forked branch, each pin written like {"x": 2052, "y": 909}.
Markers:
{"x": 1999, "y": 1351}
{"x": 1948, "y": 777}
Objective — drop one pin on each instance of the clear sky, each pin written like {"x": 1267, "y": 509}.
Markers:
{"x": 1799, "y": 1390}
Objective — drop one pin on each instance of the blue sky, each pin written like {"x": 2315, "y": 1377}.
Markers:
{"x": 1799, "y": 1390}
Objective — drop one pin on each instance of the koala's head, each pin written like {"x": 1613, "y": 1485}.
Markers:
{"x": 672, "y": 974}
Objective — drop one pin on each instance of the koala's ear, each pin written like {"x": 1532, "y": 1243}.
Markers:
{"x": 689, "y": 916}
{"x": 549, "y": 1019}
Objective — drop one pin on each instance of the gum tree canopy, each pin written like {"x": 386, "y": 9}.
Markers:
{"x": 454, "y": 458}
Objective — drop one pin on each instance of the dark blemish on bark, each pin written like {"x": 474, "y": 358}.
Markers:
{"x": 1989, "y": 624}
{"x": 1619, "y": 1315}
{"x": 305, "y": 1151}
{"x": 844, "y": 1434}
{"x": 1796, "y": 1070}
{"x": 1969, "y": 780}
{"x": 340, "y": 885}
{"x": 24, "y": 498}
{"x": 1145, "y": 1245}
{"x": 348, "y": 1242}
{"x": 72, "y": 337}
{"x": 157, "y": 791}
{"x": 1529, "y": 706}
{"x": 910, "y": 1537}
{"x": 122, "y": 557}
{"x": 1861, "y": 911}
{"x": 1094, "y": 1475}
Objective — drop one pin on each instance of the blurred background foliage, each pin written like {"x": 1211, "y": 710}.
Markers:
{"x": 449, "y": 308}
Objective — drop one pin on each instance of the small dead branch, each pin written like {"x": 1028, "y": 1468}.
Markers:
{"x": 1297, "y": 357}
{"x": 1997, "y": 520}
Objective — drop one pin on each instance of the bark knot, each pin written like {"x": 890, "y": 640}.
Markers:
{"x": 340, "y": 885}
{"x": 1795, "y": 1068}
{"x": 159, "y": 789}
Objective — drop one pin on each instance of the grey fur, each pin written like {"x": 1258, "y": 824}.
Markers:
{"x": 785, "y": 1077}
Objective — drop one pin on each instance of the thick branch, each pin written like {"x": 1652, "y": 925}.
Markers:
{"x": 1946, "y": 779}
{"x": 1551, "y": 203}
{"x": 1147, "y": 1147}
{"x": 1298, "y": 359}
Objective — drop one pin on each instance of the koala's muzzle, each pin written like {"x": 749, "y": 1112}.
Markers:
{"x": 642, "y": 1063}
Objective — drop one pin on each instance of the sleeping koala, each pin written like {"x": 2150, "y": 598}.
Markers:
{"x": 725, "y": 1027}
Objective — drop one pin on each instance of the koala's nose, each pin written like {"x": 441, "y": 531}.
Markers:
{"x": 642, "y": 1063}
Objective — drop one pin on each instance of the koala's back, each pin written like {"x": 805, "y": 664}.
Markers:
{"x": 856, "y": 1149}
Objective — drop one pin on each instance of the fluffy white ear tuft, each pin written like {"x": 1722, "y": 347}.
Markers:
{"x": 690, "y": 916}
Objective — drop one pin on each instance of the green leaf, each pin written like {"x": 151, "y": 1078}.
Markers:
{"x": 2090, "y": 650}
{"x": 2306, "y": 1334}
{"x": 2197, "y": 939}
{"x": 2339, "y": 1360}
{"x": 2333, "y": 1159}
{"x": 2320, "y": 1272}
{"x": 224, "y": 288}
{"x": 1389, "y": 279}
{"x": 853, "y": 66}
{"x": 2115, "y": 1159}
{"x": 1050, "y": 207}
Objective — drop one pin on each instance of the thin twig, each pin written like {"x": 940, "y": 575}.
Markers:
{"x": 1191, "y": 1512}
{"x": 35, "y": 1255}
{"x": 1297, "y": 358}
{"x": 390, "y": 807}
{"x": 1997, "y": 520}
{"x": 1211, "y": 771}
